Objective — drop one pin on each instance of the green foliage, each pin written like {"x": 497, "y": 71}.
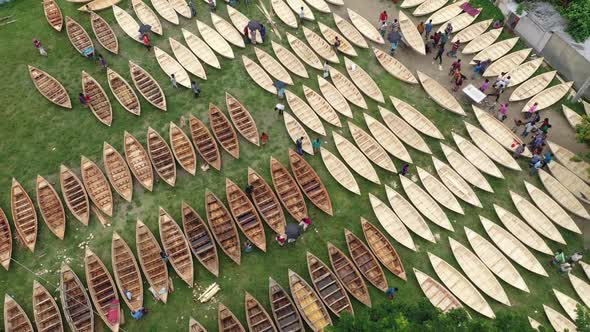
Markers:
{"x": 583, "y": 130}
{"x": 489, "y": 10}
{"x": 522, "y": 6}
{"x": 583, "y": 320}
{"x": 578, "y": 16}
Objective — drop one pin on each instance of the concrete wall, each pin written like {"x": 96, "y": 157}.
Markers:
{"x": 533, "y": 34}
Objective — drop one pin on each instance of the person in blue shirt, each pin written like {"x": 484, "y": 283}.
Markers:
{"x": 391, "y": 292}
{"x": 428, "y": 28}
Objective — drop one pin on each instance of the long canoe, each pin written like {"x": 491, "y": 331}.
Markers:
{"x": 282, "y": 10}
{"x": 371, "y": 148}
{"x": 75, "y": 301}
{"x": 339, "y": 171}
{"x": 147, "y": 16}
{"x": 289, "y": 60}
{"x": 165, "y": 10}
{"x": 471, "y": 32}
{"x": 582, "y": 288}
{"x": 171, "y": 67}
{"x": 363, "y": 81}
{"x": 416, "y": 119}
{"x": 562, "y": 195}
{"x": 99, "y": 104}
{"x": 102, "y": 289}
{"x": 153, "y": 266}
{"x": 524, "y": 71}
{"x": 45, "y": 310}
{"x": 404, "y": 131}
{"x": 507, "y": 63}
{"x": 548, "y": 96}
{"x": 321, "y": 106}
{"x": 323, "y": 48}
{"x": 349, "y": 275}
{"x": 521, "y": 230}
{"x": 568, "y": 159}
{"x": 532, "y": 86}
{"x": 365, "y": 27}
{"x": 296, "y": 131}
{"x": 147, "y": 86}
{"x": 97, "y": 186}
{"x": 476, "y": 156}
{"x": 24, "y": 215}
{"x": 439, "y": 94}
{"x": 139, "y": 161}
{"x": 181, "y": 7}
{"x": 50, "y": 88}
{"x": 309, "y": 304}
{"x": 355, "y": 158}
{"x": 394, "y": 67}
{"x": 411, "y": 3}
{"x": 127, "y": 23}
{"x": 387, "y": 139}
{"x": 551, "y": 209}
{"x": 439, "y": 191}
{"x": 257, "y": 317}
{"x": 245, "y": 214}
{"x": 437, "y": 294}
{"x": 347, "y": 88}
{"x": 350, "y": 31}
{"x": 446, "y": 13}
{"x": 298, "y": 6}
{"x": 304, "y": 113}
{"x": 176, "y": 247}
{"x": 558, "y": 321}
{"x": 455, "y": 183}
{"x": 187, "y": 59}
{"x": 5, "y": 241}
{"x": 123, "y": 92}
{"x": 482, "y": 41}
{"x": 495, "y": 51}
{"x": 226, "y": 30}
{"x": 411, "y": 35}
{"x": 491, "y": 147}
{"x": 465, "y": 169}
{"x": 266, "y": 202}
{"x": 194, "y": 326}
{"x": 97, "y": 5}
{"x": 78, "y": 36}
{"x": 573, "y": 118}
{"x": 328, "y": 286}
{"x": 53, "y": 14}
{"x": 310, "y": 182}
{"x": 201, "y": 49}
{"x": 408, "y": 214}
{"x": 283, "y": 309}
{"x": 535, "y": 218}
{"x": 223, "y": 131}
{"x": 51, "y": 207}
{"x": 274, "y": 68}
{"x": 104, "y": 33}
{"x": 383, "y": 249}
{"x": 200, "y": 239}
{"x": 183, "y": 149}
{"x": 570, "y": 180}
{"x": 204, "y": 142}
{"x": 428, "y": 6}
{"x": 391, "y": 223}
{"x": 460, "y": 22}
{"x": 303, "y": 51}
{"x": 258, "y": 75}
{"x": 331, "y": 35}
{"x": 242, "y": 119}
{"x": 499, "y": 131}
{"x": 240, "y": 21}
{"x": 227, "y": 321}
{"x": 425, "y": 204}
{"x": 223, "y": 227}
{"x": 287, "y": 190}
{"x": 334, "y": 97}
{"x": 322, "y": 5}
{"x": 126, "y": 272}
{"x": 74, "y": 194}
{"x": 15, "y": 318}
{"x": 117, "y": 171}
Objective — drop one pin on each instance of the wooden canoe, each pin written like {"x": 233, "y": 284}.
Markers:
{"x": 328, "y": 286}
{"x": 491, "y": 147}
{"x": 258, "y": 75}
{"x": 471, "y": 32}
{"x": 411, "y": 3}
{"x": 15, "y": 318}
{"x": 45, "y": 310}
{"x": 408, "y": 215}
{"x": 411, "y": 35}
{"x": 296, "y": 131}
{"x": 330, "y": 35}
{"x": 477, "y": 157}
{"x": 355, "y": 158}
{"x": 78, "y": 36}
{"x": 200, "y": 239}
{"x": 521, "y": 230}
{"x": 548, "y": 96}
{"x": 283, "y": 309}
{"x": 245, "y": 214}
{"x": 439, "y": 94}
{"x": 495, "y": 51}
{"x": 257, "y": 317}
{"x": 204, "y": 142}
{"x": 74, "y": 194}
{"x": 223, "y": 131}
{"x": 320, "y": 45}
{"x": 499, "y": 131}
{"x": 97, "y": 5}
{"x": 187, "y": 59}
{"x": 571, "y": 181}
{"x": 365, "y": 27}
{"x": 165, "y": 10}
{"x": 439, "y": 191}
{"x": 49, "y": 87}
{"x": 535, "y": 218}
{"x": 183, "y": 149}
{"x": 416, "y": 119}
{"x": 194, "y": 326}
{"x": 495, "y": 260}
{"x": 75, "y": 302}
{"x": 532, "y": 86}
{"x": 482, "y": 41}
{"x": 460, "y": 286}
{"x": 586, "y": 269}
{"x": 161, "y": 156}
{"x": 334, "y": 97}
{"x": 274, "y": 68}
{"x": 147, "y": 16}
{"x": 383, "y": 249}
{"x": 573, "y": 118}
{"x": 524, "y": 71}
{"x": 446, "y": 13}
{"x": 460, "y": 22}
{"x": 99, "y": 104}
{"x": 298, "y": 5}
{"x": 321, "y": 106}
{"x": 425, "y": 204}
{"x": 123, "y": 92}
{"x": 309, "y": 304}
{"x": 176, "y": 247}
{"x": 551, "y": 209}
{"x": 223, "y": 227}
{"x": 322, "y": 5}
{"x": 117, "y": 172}
{"x": 181, "y": 7}
{"x": 305, "y": 113}
{"x": 102, "y": 289}
{"x": 562, "y": 195}
{"x": 347, "y": 88}
{"x": 226, "y": 31}
{"x": 349, "y": 275}
{"x": 97, "y": 186}
{"x": 507, "y": 63}
{"x": 303, "y": 51}
{"x": 348, "y": 30}
{"x": 147, "y": 86}
{"x": 126, "y": 272}
{"x": 428, "y": 6}
{"x": 24, "y": 215}
{"x": 53, "y": 14}
{"x": 568, "y": 159}
{"x": 201, "y": 49}
{"x": 104, "y": 33}
{"x": 139, "y": 161}
{"x": 171, "y": 67}
{"x": 363, "y": 81}
{"x": 339, "y": 171}
{"x": 394, "y": 67}
{"x": 266, "y": 202}
{"x": 558, "y": 321}
{"x": 287, "y": 190}
{"x": 512, "y": 247}
{"x": 127, "y": 23}
{"x": 289, "y": 60}
{"x": 371, "y": 148}
{"x": 227, "y": 321}
{"x": 404, "y": 131}
{"x": 240, "y": 21}
{"x": 282, "y": 10}
{"x": 5, "y": 241}
{"x": 391, "y": 223}
{"x": 310, "y": 183}
{"x": 153, "y": 266}
{"x": 51, "y": 208}
{"x": 465, "y": 169}
{"x": 242, "y": 119}
{"x": 582, "y": 288}
{"x": 365, "y": 261}
{"x": 437, "y": 294}
{"x": 387, "y": 139}
{"x": 478, "y": 273}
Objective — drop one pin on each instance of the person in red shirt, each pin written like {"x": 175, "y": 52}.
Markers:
{"x": 383, "y": 17}
{"x": 146, "y": 42}
{"x": 264, "y": 139}
{"x": 453, "y": 52}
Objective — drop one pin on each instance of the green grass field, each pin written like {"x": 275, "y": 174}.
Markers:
{"x": 36, "y": 137}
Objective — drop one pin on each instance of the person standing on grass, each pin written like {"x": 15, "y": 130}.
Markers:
{"x": 146, "y": 41}
{"x": 280, "y": 108}
{"x": 405, "y": 169}
{"x": 439, "y": 53}
{"x": 263, "y": 139}
{"x": 301, "y": 15}
{"x": 519, "y": 151}
{"x": 326, "y": 69}
{"x": 102, "y": 62}
{"x": 212, "y": 5}
{"x": 305, "y": 223}
{"x": 173, "y": 81}
{"x": 575, "y": 258}
{"x": 391, "y": 293}
{"x": 503, "y": 112}
{"x": 420, "y": 28}
{"x": 84, "y": 100}
{"x": 427, "y": 29}
{"x": 299, "y": 146}
{"x": 316, "y": 144}
{"x": 454, "y": 48}
{"x": 383, "y": 17}
{"x": 336, "y": 44}
{"x": 39, "y": 47}
{"x": 196, "y": 89}
{"x": 191, "y": 5}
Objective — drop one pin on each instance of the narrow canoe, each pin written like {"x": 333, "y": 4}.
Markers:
{"x": 573, "y": 118}
{"x": 371, "y": 148}
{"x": 266, "y": 202}
{"x": 287, "y": 190}
{"x": 582, "y": 288}
{"x": 439, "y": 94}
{"x": 411, "y": 35}
{"x": 242, "y": 119}
{"x": 408, "y": 215}
{"x": 471, "y": 32}
{"x": 363, "y": 81}
{"x": 387, "y": 139}
{"x": 425, "y": 204}
{"x": 571, "y": 181}
{"x": 51, "y": 207}
{"x": 365, "y": 27}
{"x": 477, "y": 157}
{"x": 521, "y": 230}
{"x": 558, "y": 321}
{"x": 296, "y": 131}
{"x": 204, "y": 142}
{"x": 97, "y": 5}
{"x": 309, "y": 304}
{"x": 394, "y": 67}
{"x": 97, "y": 186}
{"x": 310, "y": 183}
{"x": 460, "y": 22}
{"x": 404, "y": 131}
{"x": 78, "y": 36}
{"x": 123, "y": 92}
{"x": 74, "y": 194}
{"x": 201, "y": 49}
{"x": 532, "y": 86}
{"x": 274, "y": 68}
{"x": 568, "y": 159}
{"x": 75, "y": 302}
{"x": 126, "y": 272}
{"x": 53, "y": 14}
{"x": 411, "y": 3}
{"x": 176, "y": 247}
{"x": 117, "y": 172}
{"x": 227, "y": 321}
{"x": 194, "y": 326}
{"x": 171, "y": 67}
{"x": 245, "y": 214}
{"x": 282, "y": 10}
{"x": 495, "y": 51}
{"x": 348, "y": 30}
{"x": 499, "y": 131}
{"x": 45, "y": 310}
{"x": 446, "y": 13}
{"x": 127, "y": 23}
{"x": 147, "y": 86}
{"x": 5, "y": 241}
{"x": 257, "y": 317}
{"x": 283, "y": 309}
{"x": 183, "y": 149}
{"x": 187, "y": 59}
{"x": 153, "y": 266}
{"x": 139, "y": 161}
{"x": 104, "y": 33}
{"x": 391, "y": 223}
{"x": 548, "y": 96}
{"x": 50, "y": 88}
{"x": 223, "y": 131}
{"x": 512, "y": 247}
{"x": 320, "y": 45}
{"x": 102, "y": 289}
{"x": 428, "y": 6}
{"x": 258, "y": 75}
{"x": 551, "y": 209}
{"x": 438, "y": 191}
{"x": 535, "y": 218}
{"x": 349, "y": 275}
{"x": 303, "y": 51}
{"x": 482, "y": 41}
{"x": 298, "y": 5}
{"x": 383, "y": 249}
{"x": 223, "y": 227}
{"x": 305, "y": 113}
{"x": 181, "y": 7}
{"x": 321, "y": 106}
{"x": 507, "y": 63}
{"x": 200, "y": 239}
{"x": 465, "y": 169}
{"x": 147, "y": 16}
{"x": 491, "y": 147}
{"x": 366, "y": 262}
{"x": 240, "y": 21}
{"x": 339, "y": 171}
{"x": 328, "y": 287}
{"x": 416, "y": 119}
{"x": 161, "y": 156}
{"x": 562, "y": 195}
{"x": 437, "y": 294}
{"x": 24, "y": 215}
{"x": 586, "y": 269}
{"x": 460, "y": 286}
{"x": 321, "y": 5}
{"x": 289, "y": 60}
{"x": 334, "y": 97}
{"x": 15, "y": 318}
{"x": 355, "y": 158}
{"x": 227, "y": 32}
{"x": 330, "y": 35}
{"x": 99, "y": 104}
{"x": 165, "y": 10}
{"x": 347, "y": 88}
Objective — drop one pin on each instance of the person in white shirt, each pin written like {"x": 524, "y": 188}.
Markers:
{"x": 280, "y": 108}
{"x": 301, "y": 15}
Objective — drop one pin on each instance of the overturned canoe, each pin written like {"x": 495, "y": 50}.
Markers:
{"x": 289, "y": 60}
{"x": 551, "y": 209}
{"x": 573, "y": 118}
{"x": 363, "y": 81}
{"x": 408, "y": 215}
{"x": 569, "y": 180}
{"x": 161, "y": 156}
{"x": 126, "y": 272}
{"x": 387, "y": 139}
{"x": 165, "y": 10}
{"x": 334, "y": 97}
{"x": 296, "y": 131}
{"x": 476, "y": 157}
{"x": 321, "y": 106}
{"x": 172, "y": 68}
{"x": 245, "y": 214}
{"x": 471, "y": 32}
{"x": 455, "y": 183}
{"x": 339, "y": 171}
{"x": 331, "y": 35}
{"x": 558, "y": 321}
{"x": 53, "y": 14}
{"x": 266, "y": 202}
{"x": 371, "y": 148}
{"x": 240, "y": 21}
{"x": 104, "y": 33}
{"x": 204, "y": 142}
{"x": 428, "y": 6}
{"x": 274, "y": 68}
{"x": 349, "y": 275}
{"x": 74, "y": 194}
{"x": 176, "y": 247}
{"x": 304, "y": 52}
{"x": 391, "y": 223}
{"x": 24, "y": 215}
{"x": 97, "y": 186}
{"x": 365, "y": 27}
{"x": 287, "y": 190}
{"x": 258, "y": 75}
{"x": 102, "y": 289}
{"x": 535, "y": 218}
{"x": 75, "y": 302}
{"x": 328, "y": 286}
{"x": 568, "y": 159}
{"x": 223, "y": 227}
{"x": 491, "y": 147}
{"x": 117, "y": 172}
{"x": 437, "y": 294}
{"x": 416, "y": 119}
{"x": 51, "y": 208}
{"x": 347, "y": 88}
{"x": 200, "y": 239}
{"x": 383, "y": 249}
{"x": 224, "y": 131}
{"x": 532, "y": 86}
{"x": 256, "y": 316}
{"x": 495, "y": 51}
{"x": 320, "y": 45}
{"x": 394, "y": 67}
{"x": 139, "y": 161}
{"x": 153, "y": 266}
{"x": 305, "y": 113}
{"x": 562, "y": 195}
{"x": 309, "y": 304}
{"x": 350, "y": 31}
{"x": 355, "y": 158}
{"x": 283, "y": 309}
{"x": 45, "y": 310}
{"x": 147, "y": 16}
{"x": 78, "y": 36}
{"x": 404, "y": 131}
{"x": 411, "y": 35}
{"x": 438, "y": 191}
{"x": 300, "y": 6}
{"x": 310, "y": 182}
{"x": 242, "y": 119}
{"x": 127, "y": 23}
{"x": 507, "y": 63}
{"x": 446, "y": 13}
{"x": 227, "y": 321}
{"x": 366, "y": 262}
{"x": 548, "y": 96}
{"x": 187, "y": 59}
{"x": 99, "y": 103}
{"x": 284, "y": 13}
{"x": 5, "y": 241}
{"x": 226, "y": 30}
{"x": 183, "y": 149}
{"x": 499, "y": 131}
{"x": 465, "y": 169}
{"x": 50, "y": 88}
{"x": 123, "y": 92}
{"x": 425, "y": 204}
{"x": 439, "y": 94}
{"x": 201, "y": 49}
{"x": 482, "y": 41}
{"x": 522, "y": 231}
{"x": 147, "y": 86}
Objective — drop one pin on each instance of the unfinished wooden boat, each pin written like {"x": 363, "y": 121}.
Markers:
{"x": 391, "y": 223}
{"x": 321, "y": 106}
{"x": 573, "y": 118}
{"x": 512, "y": 247}
{"x": 97, "y": 5}
{"x": 224, "y": 31}
{"x": 5, "y": 241}
{"x": 75, "y": 302}
{"x": 296, "y": 131}
{"x": 245, "y": 214}
{"x": 303, "y": 51}
{"x": 287, "y": 190}
{"x": 15, "y": 318}
{"x": 117, "y": 172}
{"x": 181, "y": 7}
{"x": 460, "y": 22}
{"x": 222, "y": 226}
{"x": 127, "y": 23}
{"x": 123, "y": 92}
{"x": 455, "y": 183}
{"x": 139, "y": 161}
{"x": 355, "y": 158}
{"x": 323, "y": 48}
{"x": 53, "y": 14}
{"x": 147, "y": 86}
{"x": 161, "y": 156}
{"x": 200, "y": 239}
{"x": 104, "y": 33}
{"x": 201, "y": 49}
{"x": 99, "y": 104}
{"x": 102, "y": 289}
{"x": 471, "y": 32}
{"x": 330, "y": 35}
{"x": 283, "y": 309}
{"x": 562, "y": 195}
{"x": 153, "y": 266}
{"x": 535, "y": 218}
{"x": 78, "y": 36}
{"x": 568, "y": 159}
{"x": 568, "y": 304}
{"x": 411, "y": 3}
{"x": 404, "y": 131}
{"x": 257, "y": 317}
{"x": 439, "y": 94}
{"x": 387, "y": 139}
{"x": 147, "y": 16}
{"x": 532, "y": 86}
{"x": 224, "y": 131}
{"x": 362, "y": 80}
{"x": 491, "y": 147}
{"x": 460, "y": 286}
{"x": 289, "y": 60}
{"x": 348, "y": 30}
{"x": 408, "y": 214}
{"x": 383, "y": 249}
{"x": 446, "y": 13}
{"x": 259, "y": 75}
{"x": 227, "y": 321}
{"x": 364, "y": 27}
{"x": 240, "y": 21}
{"x": 266, "y": 202}
{"x": 551, "y": 209}
{"x": 194, "y": 326}
{"x": 507, "y": 63}
{"x": 365, "y": 261}
{"x": 334, "y": 97}
{"x": 322, "y": 5}
{"x": 476, "y": 157}
{"x": 465, "y": 169}
{"x": 428, "y": 6}
{"x": 412, "y": 37}
{"x": 24, "y": 215}
{"x": 416, "y": 119}
{"x": 187, "y": 59}
{"x": 305, "y": 113}
{"x": 425, "y": 204}
{"x": 548, "y": 96}
{"x": 499, "y": 131}
{"x": 298, "y": 5}
{"x": 439, "y": 191}
{"x": 328, "y": 287}
{"x": 97, "y": 186}
{"x": 394, "y": 67}
{"x": 51, "y": 208}
{"x": 347, "y": 88}
{"x": 74, "y": 194}
{"x": 558, "y": 321}
{"x": 274, "y": 68}
{"x": 371, "y": 148}
{"x": 282, "y": 10}
{"x": 495, "y": 51}
{"x": 585, "y": 268}
{"x": 310, "y": 183}
{"x": 309, "y": 304}
{"x": 165, "y": 10}
{"x": 242, "y": 119}
{"x": 582, "y": 288}
{"x": 49, "y": 87}
{"x": 126, "y": 271}
{"x": 437, "y": 294}
{"x": 204, "y": 142}
{"x": 339, "y": 171}
{"x": 45, "y": 310}
{"x": 349, "y": 275}
{"x": 570, "y": 180}
{"x": 521, "y": 230}
{"x": 171, "y": 67}
{"x": 482, "y": 41}
{"x": 182, "y": 148}
{"x": 176, "y": 247}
